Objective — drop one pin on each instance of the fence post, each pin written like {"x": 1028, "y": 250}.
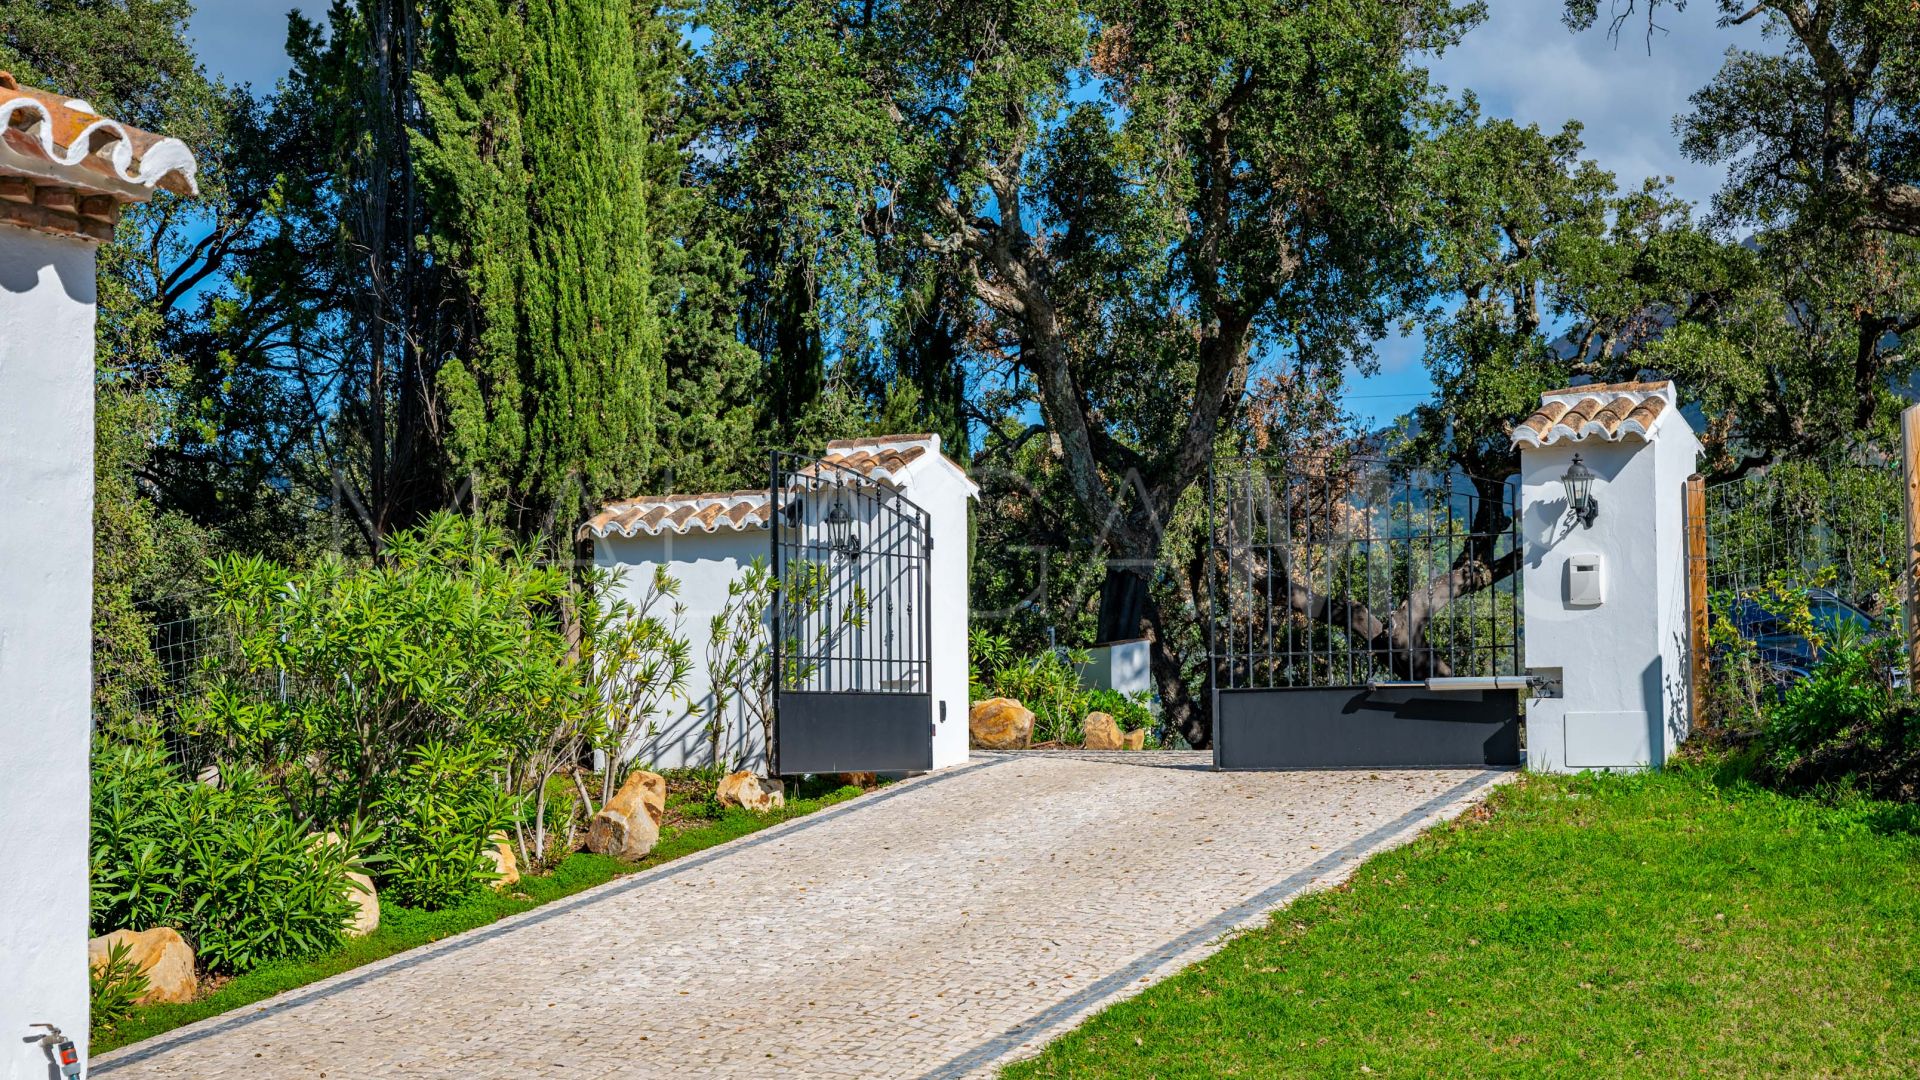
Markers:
{"x": 1910, "y": 473}
{"x": 1697, "y": 597}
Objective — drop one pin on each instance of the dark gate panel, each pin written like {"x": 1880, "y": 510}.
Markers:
{"x": 1364, "y": 615}
{"x": 1389, "y": 727}
{"x": 852, "y": 665}
{"x": 828, "y": 733}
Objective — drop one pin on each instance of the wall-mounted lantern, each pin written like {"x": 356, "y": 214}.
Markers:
{"x": 840, "y": 535}
{"x": 1580, "y": 502}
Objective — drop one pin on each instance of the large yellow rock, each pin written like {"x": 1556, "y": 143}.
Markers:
{"x": 506, "y": 865}
{"x": 1134, "y": 740}
{"x": 753, "y": 792}
{"x": 1101, "y": 732}
{"x": 366, "y": 905}
{"x": 629, "y": 825}
{"x": 161, "y": 954}
{"x": 1000, "y": 724}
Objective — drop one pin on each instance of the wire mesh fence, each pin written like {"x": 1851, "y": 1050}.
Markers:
{"x": 188, "y": 649}
{"x": 1799, "y": 557}
{"x": 1803, "y": 525}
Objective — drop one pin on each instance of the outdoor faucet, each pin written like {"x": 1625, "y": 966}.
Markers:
{"x": 61, "y": 1051}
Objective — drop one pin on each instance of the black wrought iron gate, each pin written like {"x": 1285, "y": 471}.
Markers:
{"x": 851, "y": 622}
{"x": 1364, "y": 616}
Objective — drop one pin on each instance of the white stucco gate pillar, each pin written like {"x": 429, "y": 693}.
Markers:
{"x": 1605, "y": 592}
{"x": 64, "y": 174}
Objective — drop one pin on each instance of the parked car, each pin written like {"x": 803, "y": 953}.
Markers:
{"x": 1789, "y": 655}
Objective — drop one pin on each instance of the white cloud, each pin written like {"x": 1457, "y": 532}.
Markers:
{"x": 1524, "y": 64}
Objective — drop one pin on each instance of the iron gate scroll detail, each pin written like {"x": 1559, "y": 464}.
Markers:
{"x": 852, "y": 625}
{"x": 1364, "y": 616}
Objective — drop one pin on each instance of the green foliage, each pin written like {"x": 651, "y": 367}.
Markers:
{"x": 548, "y": 216}
{"x": 1047, "y": 683}
{"x": 240, "y": 876}
{"x": 1130, "y": 711}
{"x": 1532, "y": 248}
{"x": 436, "y": 818}
{"x": 1853, "y": 723}
{"x": 453, "y": 635}
{"x": 114, "y": 988}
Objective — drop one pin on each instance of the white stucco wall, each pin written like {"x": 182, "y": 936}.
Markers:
{"x": 704, "y": 563}
{"x": 46, "y": 578}
{"x": 946, "y": 497}
{"x": 1622, "y": 665}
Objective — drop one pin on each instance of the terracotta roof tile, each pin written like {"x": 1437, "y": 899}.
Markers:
{"x": 883, "y": 459}
{"x": 1610, "y": 412}
{"x": 66, "y": 169}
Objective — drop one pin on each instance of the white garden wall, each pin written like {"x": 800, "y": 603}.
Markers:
{"x": 704, "y": 563}
{"x": 46, "y": 581}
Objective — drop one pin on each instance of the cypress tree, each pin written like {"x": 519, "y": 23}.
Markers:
{"x": 536, "y": 156}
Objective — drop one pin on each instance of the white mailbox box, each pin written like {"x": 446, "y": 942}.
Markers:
{"x": 1585, "y": 582}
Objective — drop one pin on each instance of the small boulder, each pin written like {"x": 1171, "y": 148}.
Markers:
{"x": 1101, "y": 732}
{"x": 861, "y": 780}
{"x": 161, "y": 954}
{"x": 1134, "y": 740}
{"x": 755, "y": 793}
{"x": 366, "y": 905}
{"x": 629, "y": 825}
{"x": 1000, "y": 724}
{"x": 505, "y": 863}
{"x": 648, "y": 789}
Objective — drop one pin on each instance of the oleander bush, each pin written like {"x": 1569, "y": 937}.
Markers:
{"x": 243, "y": 879}
{"x": 114, "y": 988}
{"x": 436, "y": 820}
{"x": 1130, "y": 711}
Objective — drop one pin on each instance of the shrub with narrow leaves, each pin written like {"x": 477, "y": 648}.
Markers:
{"x": 436, "y": 819}
{"x": 243, "y": 879}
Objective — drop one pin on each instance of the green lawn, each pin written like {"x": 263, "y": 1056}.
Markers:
{"x": 1665, "y": 925}
{"x": 406, "y": 928}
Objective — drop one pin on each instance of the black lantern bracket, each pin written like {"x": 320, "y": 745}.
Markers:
{"x": 1578, "y": 481}
{"x": 841, "y": 538}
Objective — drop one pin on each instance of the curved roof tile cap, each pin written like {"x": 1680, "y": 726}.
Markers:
{"x": 885, "y": 459}
{"x": 1609, "y": 412}
{"x": 66, "y": 169}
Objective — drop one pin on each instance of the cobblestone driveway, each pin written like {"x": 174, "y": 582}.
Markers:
{"x": 932, "y": 929}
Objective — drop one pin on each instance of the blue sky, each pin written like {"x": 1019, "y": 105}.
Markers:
{"x": 1522, "y": 63}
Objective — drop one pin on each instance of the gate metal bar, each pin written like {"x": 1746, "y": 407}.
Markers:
{"x": 852, "y": 622}
{"x": 1396, "y": 592}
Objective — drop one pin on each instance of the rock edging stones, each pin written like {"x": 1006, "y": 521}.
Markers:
{"x": 1000, "y": 724}
{"x": 1101, "y": 732}
{"x": 755, "y": 793}
{"x": 161, "y": 954}
{"x": 629, "y": 825}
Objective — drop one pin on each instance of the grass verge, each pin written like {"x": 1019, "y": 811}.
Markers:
{"x": 1659, "y": 925}
{"x": 703, "y": 825}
